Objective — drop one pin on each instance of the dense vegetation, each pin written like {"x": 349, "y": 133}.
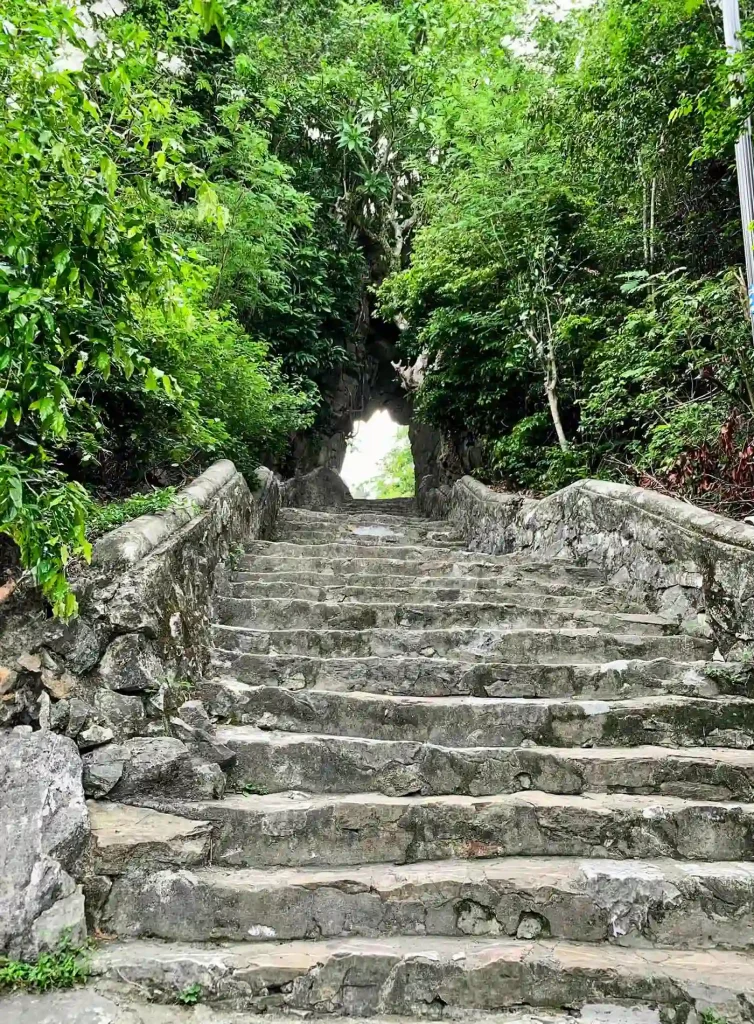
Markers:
{"x": 395, "y": 472}
{"x": 206, "y": 204}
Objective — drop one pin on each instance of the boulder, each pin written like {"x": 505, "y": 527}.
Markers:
{"x": 44, "y": 834}
{"x": 129, "y": 665}
{"x": 322, "y": 488}
{"x": 157, "y": 766}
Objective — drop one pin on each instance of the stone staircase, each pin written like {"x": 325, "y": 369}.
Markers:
{"x": 455, "y": 783}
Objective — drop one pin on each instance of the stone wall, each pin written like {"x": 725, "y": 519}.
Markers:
{"x": 101, "y": 706}
{"x": 681, "y": 559}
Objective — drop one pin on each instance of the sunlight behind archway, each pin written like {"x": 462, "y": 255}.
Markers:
{"x": 372, "y": 440}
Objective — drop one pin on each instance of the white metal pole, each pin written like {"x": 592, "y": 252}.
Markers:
{"x": 744, "y": 155}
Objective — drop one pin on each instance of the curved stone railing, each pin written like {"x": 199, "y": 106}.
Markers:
{"x": 682, "y": 559}
{"x": 146, "y": 601}
{"x": 143, "y": 632}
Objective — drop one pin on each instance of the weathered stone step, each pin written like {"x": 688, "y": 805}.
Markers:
{"x": 358, "y": 548}
{"x": 454, "y": 584}
{"x": 314, "y": 517}
{"x": 595, "y": 599}
{"x": 434, "y": 564}
{"x": 668, "y": 721}
{"x": 293, "y": 829}
{"x": 286, "y": 613}
{"x": 87, "y": 1006}
{"x": 365, "y": 537}
{"x": 574, "y": 646}
{"x": 274, "y": 762}
{"x": 128, "y": 838}
{"x": 428, "y": 976}
{"x": 438, "y": 677}
{"x": 626, "y": 903}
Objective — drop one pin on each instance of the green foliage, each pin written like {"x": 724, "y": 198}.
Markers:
{"x": 109, "y": 515}
{"x": 190, "y": 996}
{"x": 395, "y": 478}
{"x": 63, "y": 968}
{"x": 569, "y": 282}
{"x": 712, "y": 1017}
{"x": 109, "y": 354}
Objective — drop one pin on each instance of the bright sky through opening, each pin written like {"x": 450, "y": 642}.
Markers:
{"x": 372, "y": 440}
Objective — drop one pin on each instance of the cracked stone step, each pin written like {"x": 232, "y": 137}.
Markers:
{"x": 439, "y": 677}
{"x": 303, "y": 518}
{"x": 86, "y": 1006}
{"x": 666, "y": 721}
{"x": 285, "y": 613}
{"x": 574, "y": 646}
{"x": 293, "y": 829}
{"x": 625, "y": 903}
{"x": 274, "y": 762}
{"x": 364, "y": 537}
{"x": 433, "y": 565}
{"x": 357, "y": 549}
{"x": 448, "y": 593}
{"x": 366, "y": 533}
{"x": 434, "y": 975}
{"x": 125, "y": 838}
{"x": 514, "y": 582}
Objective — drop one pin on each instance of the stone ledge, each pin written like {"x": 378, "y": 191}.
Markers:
{"x": 128, "y": 544}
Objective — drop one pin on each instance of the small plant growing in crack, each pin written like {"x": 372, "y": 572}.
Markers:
{"x": 64, "y": 967}
{"x": 190, "y": 996}
{"x": 234, "y": 557}
{"x": 712, "y": 1017}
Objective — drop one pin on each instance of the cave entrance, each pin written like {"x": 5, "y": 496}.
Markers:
{"x": 379, "y": 462}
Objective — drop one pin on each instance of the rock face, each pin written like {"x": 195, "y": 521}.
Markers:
{"x": 44, "y": 832}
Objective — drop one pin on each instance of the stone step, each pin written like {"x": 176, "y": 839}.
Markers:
{"x": 572, "y": 646}
{"x": 625, "y": 903}
{"x": 668, "y": 721}
{"x": 430, "y": 976}
{"x": 122, "y": 1006}
{"x": 386, "y": 529}
{"x": 287, "y": 613}
{"x": 434, "y": 565}
{"x": 438, "y": 677}
{"x": 595, "y": 599}
{"x": 274, "y": 762}
{"x": 366, "y": 536}
{"x": 128, "y": 838}
{"x": 312, "y": 517}
{"x": 360, "y": 548}
{"x": 294, "y": 829}
{"x": 514, "y": 580}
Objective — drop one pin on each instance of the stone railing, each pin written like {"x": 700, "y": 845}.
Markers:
{"x": 103, "y": 687}
{"x": 680, "y": 559}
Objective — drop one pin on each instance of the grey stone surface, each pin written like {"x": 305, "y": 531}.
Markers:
{"x": 423, "y": 977}
{"x": 629, "y": 903}
{"x": 126, "y": 838}
{"x": 87, "y": 1006}
{"x": 130, "y": 665}
{"x": 149, "y": 765}
{"x": 227, "y": 693}
{"x": 682, "y": 558}
{"x": 273, "y": 762}
{"x": 526, "y": 646}
{"x": 292, "y": 829}
{"x": 44, "y": 832}
{"x": 321, "y": 488}
{"x": 670, "y": 721}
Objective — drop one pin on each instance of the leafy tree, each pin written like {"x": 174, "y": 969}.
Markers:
{"x": 396, "y": 471}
